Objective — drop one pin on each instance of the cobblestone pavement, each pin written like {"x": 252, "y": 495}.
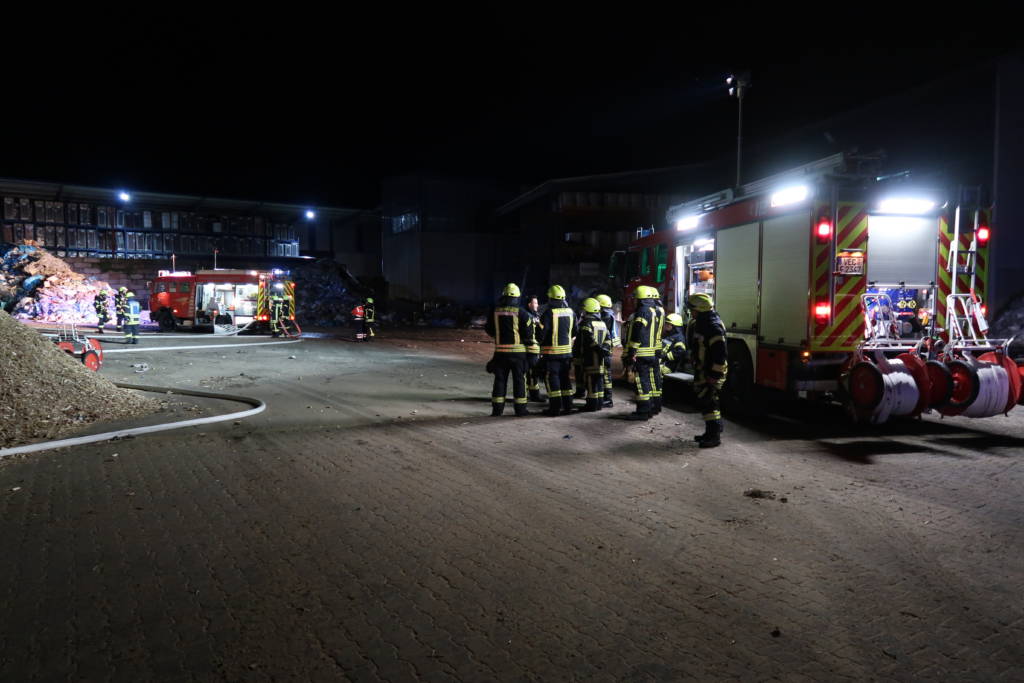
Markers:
{"x": 373, "y": 524}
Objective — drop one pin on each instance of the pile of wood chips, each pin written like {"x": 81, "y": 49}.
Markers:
{"x": 47, "y": 394}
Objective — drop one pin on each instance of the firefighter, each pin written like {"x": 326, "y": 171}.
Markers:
{"x": 674, "y": 357}
{"x": 612, "y": 323}
{"x": 534, "y": 369}
{"x": 578, "y": 376}
{"x": 510, "y": 326}
{"x": 121, "y": 306}
{"x": 99, "y": 303}
{"x": 641, "y": 349}
{"x": 659, "y": 308}
{"x": 706, "y": 340}
{"x": 593, "y": 345}
{"x": 370, "y": 319}
{"x": 359, "y": 320}
{"x": 558, "y": 325}
{"x": 131, "y": 321}
{"x": 277, "y": 309}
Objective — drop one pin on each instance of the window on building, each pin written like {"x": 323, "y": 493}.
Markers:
{"x": 405, "y": 222}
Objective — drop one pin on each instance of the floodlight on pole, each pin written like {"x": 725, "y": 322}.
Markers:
{"x": 738, "y": 86}
{"x": 124, "y": 196}
{"x": 310, "y": 215}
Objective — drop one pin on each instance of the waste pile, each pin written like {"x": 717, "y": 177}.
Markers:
{"x": 45, "y": 393}
{"x": 326, "y": 293}
{"x": 1010, "y": 323}
{"x": 36, "y": 285}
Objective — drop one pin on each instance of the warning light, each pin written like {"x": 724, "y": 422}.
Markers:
{"x": 984, "y": 311}
{"x": 822, "y": 311}
{"x": 824, "y": 230}
{"x": 983, "y": 234}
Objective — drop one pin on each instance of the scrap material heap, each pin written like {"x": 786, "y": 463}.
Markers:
{"x": 36, "y": 285}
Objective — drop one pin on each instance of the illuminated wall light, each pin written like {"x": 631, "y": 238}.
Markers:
{"x": 688, "y": 223}
{"x": 701, "y": 245}
{"x": 790, "y": 195}
{"x": 906, "y": 205}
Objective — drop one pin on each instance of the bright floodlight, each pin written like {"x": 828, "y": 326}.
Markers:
{"x": 790, "y": 195}
{"x": 905, "y": 205}
{"x": 310, "y": 215}
{"x": 124, "y": 196}
{"x": 688, "y": 223}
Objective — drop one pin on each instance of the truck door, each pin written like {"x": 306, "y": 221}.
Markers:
{"x": 902, "y": 255}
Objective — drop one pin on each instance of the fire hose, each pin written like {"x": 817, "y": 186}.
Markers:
{"x": 258, "y": 406}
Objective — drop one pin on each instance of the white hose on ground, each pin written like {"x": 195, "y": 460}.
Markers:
{"x": 258, "y": 407}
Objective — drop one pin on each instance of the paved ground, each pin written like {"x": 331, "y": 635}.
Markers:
{"x": 373, "y": 524}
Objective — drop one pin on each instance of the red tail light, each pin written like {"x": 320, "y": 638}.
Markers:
{"x": 984, "y": 311}
{"x": 983, "y": 234}
{"x": 822, "y": 311}
{"x": 824, "y": 230}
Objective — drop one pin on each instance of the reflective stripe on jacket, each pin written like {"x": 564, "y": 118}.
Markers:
{"x": 643, "y": 331}
{"x": 559, "y": 323}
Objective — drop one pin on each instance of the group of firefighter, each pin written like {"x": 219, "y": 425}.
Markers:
{"x": 126, "y": 309}
{"x": 559, "y": 346}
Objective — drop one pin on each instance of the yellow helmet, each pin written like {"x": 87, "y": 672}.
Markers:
{"x": 556, "y": 292}
{"x": 700, "y": 302}
{"x": 645, "y": 292}
{"x": 511, "y": 289}
{"x": 591, "y": 305}
{"x": 675, "y": 319}
{"x": 604, "y": 300}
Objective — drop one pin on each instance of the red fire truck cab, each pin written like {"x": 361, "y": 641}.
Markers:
{"x": 236, "y": 297}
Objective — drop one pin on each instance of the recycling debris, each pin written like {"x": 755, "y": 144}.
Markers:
{"x": 46, "y": 394}
{"x": 36, "y": 285}
{"x": 1010, "y": 323}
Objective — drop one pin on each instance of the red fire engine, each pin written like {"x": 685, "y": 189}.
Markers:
{"x": 235, "y": 297}
{"x": 831, "y": 284}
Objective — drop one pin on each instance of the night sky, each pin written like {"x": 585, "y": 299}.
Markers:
{"x": 318, "y": 108}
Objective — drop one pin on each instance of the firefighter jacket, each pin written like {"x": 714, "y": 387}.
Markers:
{"x": 612, "y": 324}
{"x": 706, "y": 339}
{"x": 371, "y": 313}
{"x": 121, "y": 303}
{"x": 535, "y": 328}
{"x": 510, "y": 326}
{"x": 134, "y": 311}
{"x": 593, "y": 343}
{"x": 277, "y": 303}
{"x": 643, "y": 331}
{"x": 673, "y": 351}
{"x": 660, "y": 310}
{"x": 559, "y": 328}
{"x": 99, "y": 303}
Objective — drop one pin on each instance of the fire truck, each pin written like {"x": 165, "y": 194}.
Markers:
{"x": 226, "y": 297}
{"x": 834, "y": 284}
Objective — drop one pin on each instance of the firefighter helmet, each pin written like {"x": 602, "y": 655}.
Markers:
{"x": 556, "y": 292}
{"x": 511, "y": 289}
{"x": 130, "y": 294}
{"x": 645, "y": 292}
{"x": 700, "y": 302}
{"x": 591, "y": 306}
{"x": 674, "y": 319}
{"x": 369, "y": 299}
{"x": 604, "y": 300}
{"x": 122, "y": 289}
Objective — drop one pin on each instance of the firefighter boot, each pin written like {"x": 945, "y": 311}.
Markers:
{"x": 593, "y": 405}
{"x": 521, "y": 410}
{"x": 497, "y": 409}
{"x": 567, "y": 404}
{"x": 535, "y": 396}
{"x": 554, "y": 406}
{"x": 655, "y": 405}
{"x": 643, "y": 411}
{"x": 721, "y": 430}
{"x": 607, "y": 402}
{"x": 712, "y": 435}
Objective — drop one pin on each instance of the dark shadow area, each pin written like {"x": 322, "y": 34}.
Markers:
{"x": 861, "y": 452}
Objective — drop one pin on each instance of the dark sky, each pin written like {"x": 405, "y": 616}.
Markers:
{"x": 317, "y": 108}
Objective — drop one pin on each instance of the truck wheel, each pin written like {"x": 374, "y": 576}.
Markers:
{"x": 166, "y": 322}
{"x": 738, "y": 391}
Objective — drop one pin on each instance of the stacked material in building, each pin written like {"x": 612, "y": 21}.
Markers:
{"x": 325, "y": 294}
{"x": 1010, "y": 323}
{"x": 36, "y": 285}
{"x": 47, "y": 394}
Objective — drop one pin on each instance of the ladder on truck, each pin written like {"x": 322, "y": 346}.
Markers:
{"x": 965, "y": 320}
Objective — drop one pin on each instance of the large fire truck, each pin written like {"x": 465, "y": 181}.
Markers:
{"x": 227, "y": 297}
{"x": 833, "y": 284}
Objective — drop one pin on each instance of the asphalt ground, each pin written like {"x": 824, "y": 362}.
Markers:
{"x": 374, "y": 523}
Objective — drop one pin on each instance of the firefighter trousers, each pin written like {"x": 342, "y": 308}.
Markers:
{"x": 708, "y": 397}
{"x": 503, "y": 364}
{"x": 646, "y": 380}
{"x": 559, "y": 377}
{"x": 131, "y": 334}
